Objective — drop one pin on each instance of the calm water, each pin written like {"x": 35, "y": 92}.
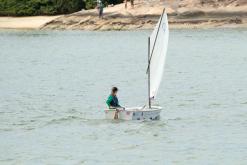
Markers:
{"x": 53, "y": 87}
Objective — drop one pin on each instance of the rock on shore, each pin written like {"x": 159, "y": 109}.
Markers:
{"x": 144, "y": 15}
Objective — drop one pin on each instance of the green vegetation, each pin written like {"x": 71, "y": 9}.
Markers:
{"x": 39, "y": 7}
{"x": 47, "y": 7}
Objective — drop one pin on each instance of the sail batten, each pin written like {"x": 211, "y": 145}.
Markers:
{"x": 157, "y": 54}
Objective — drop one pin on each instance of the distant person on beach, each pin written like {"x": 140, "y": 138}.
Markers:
{"x": 131, "y": 3}
{"x": 100, "y": 8}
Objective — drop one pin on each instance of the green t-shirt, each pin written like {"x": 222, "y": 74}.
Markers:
{"x": 112, "y": 101}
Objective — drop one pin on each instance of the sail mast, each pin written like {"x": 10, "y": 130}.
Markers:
{"x": 150, "y": 57}
{"x": 149, "y": 100}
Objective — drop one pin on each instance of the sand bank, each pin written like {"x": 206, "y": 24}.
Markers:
{"x": 145, "y": 14}
{"x": 34, "y": 22}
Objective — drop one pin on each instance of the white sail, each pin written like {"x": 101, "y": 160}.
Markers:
{"x": 157, "y": 55}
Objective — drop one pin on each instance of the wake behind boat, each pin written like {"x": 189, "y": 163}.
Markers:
{"x": 157, "y": 48}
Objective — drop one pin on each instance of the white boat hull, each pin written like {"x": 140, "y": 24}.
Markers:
{"x": 135, "y": 113}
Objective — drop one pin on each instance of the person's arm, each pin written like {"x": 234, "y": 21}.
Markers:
{"x": 118, "y": 105}
{"x": 108, "y": 101}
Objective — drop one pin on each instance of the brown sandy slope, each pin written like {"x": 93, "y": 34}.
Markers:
{"x": 181, "y": 13}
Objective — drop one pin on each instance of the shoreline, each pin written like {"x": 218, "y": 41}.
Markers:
{"x": 53, "y": 23}
{"x": 142, "y": 16}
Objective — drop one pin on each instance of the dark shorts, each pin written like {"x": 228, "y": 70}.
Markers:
{"x": 101, "y": 11}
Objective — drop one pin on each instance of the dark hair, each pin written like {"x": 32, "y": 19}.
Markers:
{"x": 114, "y": 89}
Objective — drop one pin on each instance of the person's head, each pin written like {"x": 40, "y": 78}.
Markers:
{"x": 114, "y": 91}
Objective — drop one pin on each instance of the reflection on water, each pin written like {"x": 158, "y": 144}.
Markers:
{"x": 54, "y": 84}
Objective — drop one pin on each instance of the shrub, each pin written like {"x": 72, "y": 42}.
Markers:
{"x": 39, "y": 7}
{"x": 47, "y": 7}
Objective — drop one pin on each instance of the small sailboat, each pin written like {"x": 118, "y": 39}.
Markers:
{"x": 157, "y": 48}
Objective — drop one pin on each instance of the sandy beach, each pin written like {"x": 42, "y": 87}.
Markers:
{"x": 34, "y": 22}
{"x": 185, "y": 14}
